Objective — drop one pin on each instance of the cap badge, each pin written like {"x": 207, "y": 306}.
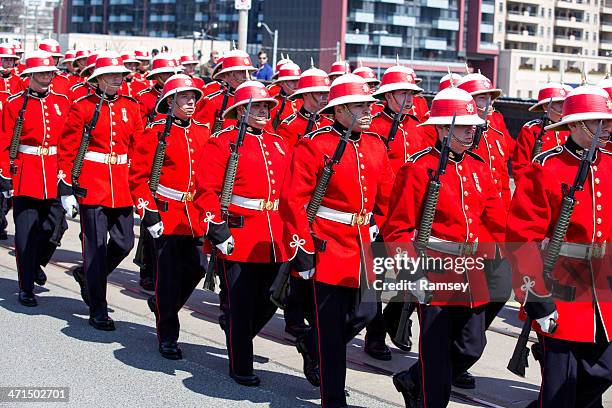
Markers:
{"x": 45, "y": 61}
{"x": 609, "y": 103}
{"x": 188, "y": 82}
{"x": 114, "y": 61}
{"x": 469, "y": 108}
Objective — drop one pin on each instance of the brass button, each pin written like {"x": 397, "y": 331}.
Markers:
{"x": 465, "y": 193}
{"x": 599, "y": 221}
{"x": 466, "y": 207}
{"x": 362, "y": 167}
{"x": 598, "y": 194}
{"x": 598, "y": 234}
{"x": 598, "y": 207}
{"x": 596, "y": 180}
{"x": 471, "y": 235}
{"x": 460, "y": 167}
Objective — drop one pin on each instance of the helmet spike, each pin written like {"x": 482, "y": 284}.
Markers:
{"x": 467, "y": 68}
{"x": 311, "y": 63}
{"x": 397, "y": 60}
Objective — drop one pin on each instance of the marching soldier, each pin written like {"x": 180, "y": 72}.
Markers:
{"x": 327, "y": 247}
{"x": 130, "y": 86}
{"x": 339, "y": 68}
{"x": 419, "y": 104}
{"x": 93, "y": 166}
{"x": 312, "y": 89}
{"x": 173, "y": 224}
{"x": 287, "y": 79}
{"x": 80, "y": 61}
{"x": 274, "y": 89}
{"x": 567, "y": 297}
{"x": 29, "y": 170}
{"x": 235, "y": 70}
{"x": 550, "y": 101}
{"x": 189, "y": 64}
{"x": 246, "y": 230}
{"x": 369, "y": 76}
{"x": 468, "y": 203}
{"x": 9, "y": 80}
{"x": 60, "y": 83}
{"x": 84, "y": 88}
{"x": 163, "y": 67}
{"x": 448, "y": 80}
{"x": 66, "y": 64}
{"x": 144, "y": 57}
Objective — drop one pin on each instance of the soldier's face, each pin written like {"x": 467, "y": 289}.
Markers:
{"x": 260, "y": 113}
{"x": 189, "y": 69}
{"x": 555, "y": 111}
{"x": 234, "y": 78}
{"x": 315, "y": 101}
{"x": 80, "y": 63}
{"x": 132, "y": 66}
{"x": 396, "y": 98}
{"x": 110, "y": 83}
{"x": 289, "y": 87}
{"x": 360, "y": 111}
{"x": 185, "y": 104}
{"x": 462, "y": 138}
{"x": 163, "y": 77}
{"x": 482, "y": 102}
{"x": 8, "y": 63}
{"x": 40, "y": 81}
{"x": 56, "y": 61}
{"x": 583, "y": 132}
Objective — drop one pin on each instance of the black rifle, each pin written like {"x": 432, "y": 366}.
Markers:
{"x": 218, "y": 123}
{"x": 311, "y": 121}
{"x": 537, "y": 147}
{"x": 424, "y": 231}
{"x": 480, "y": 129}
{"x": 80, "y": 157}
{"x": 14, "y": 146}
{"x": 226, "y": 193}
{"x": 277, "y": 118}
{"x": 518, "y": 361}
{"x": 280, "y": 285}
{"x": 396, "y": 121}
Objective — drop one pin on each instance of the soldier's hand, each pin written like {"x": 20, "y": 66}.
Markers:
{"x": 548, "y": 324}
{"x": 227, "y": 246}
{"x": 156, "y": 230}
{"x": 374, "y": 231}
{"x": 307, "y": 274}
{"x": 70, "y": 204}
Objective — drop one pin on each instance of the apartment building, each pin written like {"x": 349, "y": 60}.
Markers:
{"x": 554, "y": 39}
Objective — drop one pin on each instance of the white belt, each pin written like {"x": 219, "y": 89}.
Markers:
{"x": 38, "y": 150}
{"x": 254, "y": 203}
{"x": 452, "y": 248}
{"x": 173, "y": 194}
{"x": 343, "y": 217}
{"x": 106, "y": 158}
{"x": 580, "y": 251}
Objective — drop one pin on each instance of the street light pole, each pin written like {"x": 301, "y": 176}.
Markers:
{"x": 274, "y": 35}
{"x": 379, "y": 56}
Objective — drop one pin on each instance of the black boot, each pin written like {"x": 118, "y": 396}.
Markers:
{"x": 377, "y": 349}
{"x": 40, "y": 278}
{"x": 465, "y": 381}
{"x": 79, "y": 277}
{"x": 311, "y": 365}
{"x": 27, "y": 299}
{"x": 170, "y": 350}
{"x": 403, "y": 383}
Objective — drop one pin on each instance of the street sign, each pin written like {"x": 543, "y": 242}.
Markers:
{"x": 242, "y": 4}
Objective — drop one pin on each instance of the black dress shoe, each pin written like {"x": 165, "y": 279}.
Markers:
{"x": 27, "y": 299}
{"x": 147, "y": 284}
{"x": 152, "y": 305}
{"x": 41, "y": 277}
{"x": 377, "y": 349}
{"x": 170, "y": 350}
{"x": 465, "y": 380}
{"x": 104, "y": 323}
{"x": 250, "y": 380}
{"x": 311, "y": 365}
{"x": 404, "y": 384}
{"x": 79, "y": 277}
{"x": 297, "y": 330}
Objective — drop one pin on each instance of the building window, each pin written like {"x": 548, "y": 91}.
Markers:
{"x": 518, "y": 93}
{"x": 501, "y": 6}
{"x": 549, "y": 13}
{"x": 530, "y": 94}
{"x": 548, "y": 32}
{"x": 587, "y": 17}
{"x": 586, "y": 35}
{"x": 500, "y": 27}
{"x": 541, "y": 31}
{"x": 540, "y": 48}
{"x": 542, "y": 11}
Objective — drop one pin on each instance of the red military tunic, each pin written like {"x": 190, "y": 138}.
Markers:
{"x": 212, "y": 87}
{"x": 468, "y": 204}
{"x": 292, "y": 129}
{"x": 361, "y": 184}
{"x": 420, "y": 109}
{"x": 525, "y": 141}
{"x": 500, "y": 124}
{"x": 131, "y": 87}
{"x": 80, "y": 90}
{"x": 3, "y": 97}
{"x": 264, "y": 158}
{"x": 493, "y": 148}
{"x": 210, "y": 106}
{"x": 10, "y": 83}
{"x": 177, "y": 180}
{"x": 105, "y": 173}
{"x": 59, "y": 85}
{"x": 147, "y": 99}
{"x": 198, "y": 82}
{"x": 74, "y": 79}
{"x": 408, "y": 140}
{"x": 289, "y": 108}
{"x": 533, "y": 214}
{"x": 36, "y": 161}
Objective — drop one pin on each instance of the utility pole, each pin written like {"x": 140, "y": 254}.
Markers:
{"x": 243, "y": 7}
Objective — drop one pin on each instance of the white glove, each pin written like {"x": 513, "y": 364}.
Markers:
{"x": 156, "y": 230}
{"x": 307, "y": 274}
{"x": 374, "y": 232}
{"x": 548, "y": 324}
{"x": 71, "y": 205}
{"x": 418, "y": 292}
{"x": 227, "y": 246}
{"x": 7, "y": 194}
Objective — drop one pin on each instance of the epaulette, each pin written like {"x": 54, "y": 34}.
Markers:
{"x": 14, "y": 96}
{"x": 83, "y": 97}
{"x": 492, "y": 128}
{"x": 314, "y": 133}
{"x": 195, "y": 122}
{"x": 58, "y": 94}
{"x": 532, "y": 123}
{"x": 605, "y": 151}
{"x": 377, "y": 114}
{"x": 227, "y": 129}
{"x": 289, "y": 118}
{"x": 76, "y": 86}
{"x": 144, "y": 91}
{"x": 129, "y": 98}
{"x": 157, "y": 122}
{"x": 542, "y": 157}
{"x": 212, "y": 95}
{"x": 420, "y": 153}
{"x": 475, "y": 156}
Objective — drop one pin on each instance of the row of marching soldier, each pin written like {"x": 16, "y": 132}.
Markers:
{"x": 286, "y": 187}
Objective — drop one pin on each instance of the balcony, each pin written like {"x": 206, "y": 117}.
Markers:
{"x": 362, "y": 16}
{"x": 569, "y": 41}
{"x": 606, "y": 27}
{"x": 583, "y": 5}
{"x": 605, "y": 45}
{"x": 487, "y": 8}
{"x": 392, "y": 1}
{"x": 488, "y": 46}
{"x": 433, "y": 43}
{"x": 486, "y": 28}
{"x": 123, "y": 18}
{"x": 524, "y": 17}
{"x": 361, "y": 39}
{"x": 444, "y": 24}
{"x": 536, "y": 2}
{"x": 388, "y": 40}
{"x": 441, "y": 4}
{"x": 404, "y": 21}
{"x": 521, "y": 36}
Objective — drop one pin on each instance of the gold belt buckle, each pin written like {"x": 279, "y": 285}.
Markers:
{"x": 188, "y": 196}
{"x": 269, "y": 205}
{"x": 468, "y": 248}
{"x": 113, "y": 159}
{"x": 44, "y": 151}
{"x": 598, "y": 250}
{"x": 358, "y": 219}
